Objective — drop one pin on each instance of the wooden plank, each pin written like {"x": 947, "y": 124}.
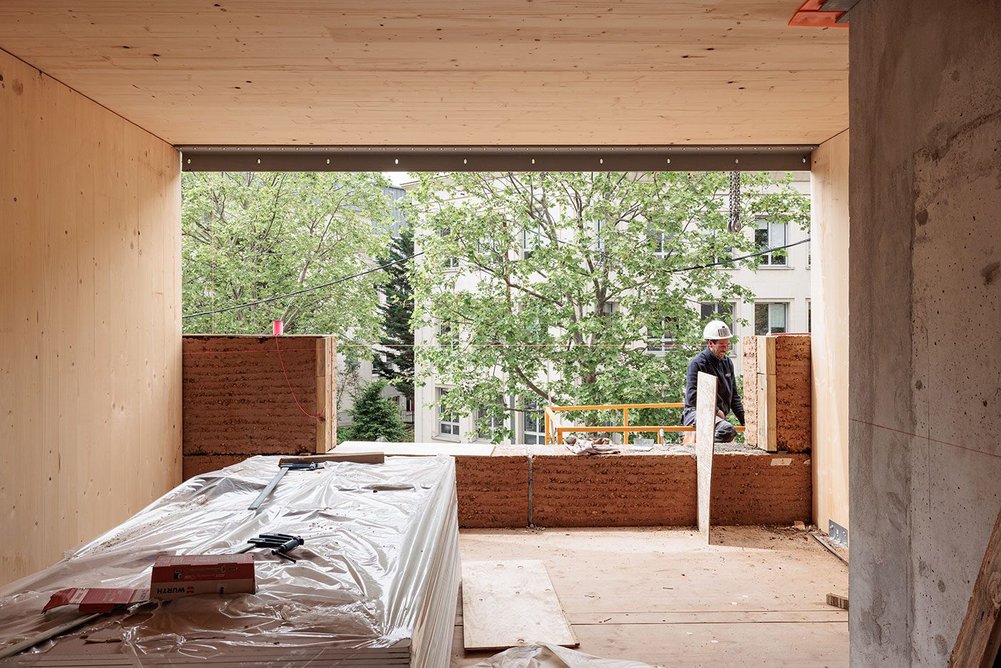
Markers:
{"x": 705, "y": 432}
{"x": 332, "y": 392}
{"x": 830, "y": 325}
{"x": 355, "y": 457}
{"x": 765, "y": 398}
{"x": 710, "y": 617}
{"x": 979, "y": 639}
{"x": 326, "y": 425}
{"x": 510, "y": 603}
{"x": 837, "y": 601}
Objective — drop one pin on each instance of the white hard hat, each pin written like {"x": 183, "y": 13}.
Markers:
{"x": 716, "y": 329}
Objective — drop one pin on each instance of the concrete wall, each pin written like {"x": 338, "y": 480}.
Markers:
{"x": 90, "y": 329}
{"x": 829, "y": 353}
{"x": 925, "y": 302}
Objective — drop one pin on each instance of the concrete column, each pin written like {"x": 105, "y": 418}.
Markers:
{"x": 925, "y": 329}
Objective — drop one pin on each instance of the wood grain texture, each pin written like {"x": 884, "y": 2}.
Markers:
{"x": 510, "y": 603}
{"x": 433, "y": 72}
{"x": 90, "y": 359}
{"x": 705, "y": 429}
{"x": 829, "y": 338}
{"x": 765, "y": 397}
{"x": 749, "y": 344}
{"x": 979, "y": 640}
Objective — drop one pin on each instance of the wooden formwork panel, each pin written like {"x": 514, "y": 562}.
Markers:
{"x": 749, "y": 344}
{"x": 778, "y": 405}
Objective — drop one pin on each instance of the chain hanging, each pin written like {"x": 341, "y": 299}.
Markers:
{"x": 734, "y": 224}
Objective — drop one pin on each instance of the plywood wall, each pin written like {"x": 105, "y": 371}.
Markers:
{"x": 829, "y": 302}
{"x": 90, "y": 333}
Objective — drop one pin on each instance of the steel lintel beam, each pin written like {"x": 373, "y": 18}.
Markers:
{"x": 493, "y": 158}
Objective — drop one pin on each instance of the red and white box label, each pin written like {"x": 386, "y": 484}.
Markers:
{"x": 187, "y": 575}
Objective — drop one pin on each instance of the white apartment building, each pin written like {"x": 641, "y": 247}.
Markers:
{"x": 781, "y": 286}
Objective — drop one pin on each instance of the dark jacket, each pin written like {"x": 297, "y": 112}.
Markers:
{"x": 727, "y": 398}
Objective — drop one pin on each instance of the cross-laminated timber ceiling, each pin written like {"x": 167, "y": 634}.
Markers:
{"x": 491, "y": 72}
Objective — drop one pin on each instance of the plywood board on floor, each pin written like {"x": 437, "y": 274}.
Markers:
{"x": 756, "y": 596}
{"x": 510, "y": 603}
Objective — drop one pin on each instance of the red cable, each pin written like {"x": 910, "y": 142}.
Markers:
{"x": 278, "y": 348}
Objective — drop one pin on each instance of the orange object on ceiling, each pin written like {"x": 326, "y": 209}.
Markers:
{"x": 812, "y": 15}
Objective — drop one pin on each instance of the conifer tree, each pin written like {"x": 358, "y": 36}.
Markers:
{"x": 373, "y": 416}
{"x": 394, "y": 361}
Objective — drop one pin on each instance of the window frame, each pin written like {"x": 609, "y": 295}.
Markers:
{"x": 768, "y": 323}
{"x": 533, "y": 410}
{"x": 495, "y": 423}
{"x": 453, "y": 431}
{"x": 771, "y": 260}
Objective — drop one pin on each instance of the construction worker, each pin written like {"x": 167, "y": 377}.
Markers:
{"x": 713, "y": 360}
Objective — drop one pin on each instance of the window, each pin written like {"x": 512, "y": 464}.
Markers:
{"x": 448, "y": 424}
{"x": 769, "y": 317}
{"x": 529, "y": 242}
{"x": 718, "y": 311}
{"x": 451, "y": 262}
{"x": 533, "y": 423}
{"x": 490, "y": 419}
{"x": 599, "y": 241}
{"x": 663, "y": 339}
{"x": 660, "y": 245}
{"x": 607, "y": 309}
{"x": 771, "y": 235}
{"x": 448, "y": 334}
{"x": 809, "y": 316}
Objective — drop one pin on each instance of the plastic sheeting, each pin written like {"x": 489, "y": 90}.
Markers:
{"x": 379, "y": 569}
{"x": 552, "y": 656}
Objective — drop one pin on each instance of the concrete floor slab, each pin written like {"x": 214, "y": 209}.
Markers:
{"x": 756, "y": 596}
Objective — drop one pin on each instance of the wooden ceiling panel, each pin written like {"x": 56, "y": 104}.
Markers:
{"x": 421, "y": 72}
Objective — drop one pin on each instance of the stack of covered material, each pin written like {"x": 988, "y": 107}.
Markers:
{"x": 375, "y": 584}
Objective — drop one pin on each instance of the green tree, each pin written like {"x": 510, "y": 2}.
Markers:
{"x": 373, "y": 416}
{"x": 251, "y": 236}
{"x": 562, "y": 284}
{"x": 395, "y": 360}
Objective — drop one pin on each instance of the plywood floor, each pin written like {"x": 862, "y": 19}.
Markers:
{"x": 756, "y": 597}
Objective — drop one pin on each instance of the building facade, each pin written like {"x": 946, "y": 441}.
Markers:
{"x": 781, "y": 289}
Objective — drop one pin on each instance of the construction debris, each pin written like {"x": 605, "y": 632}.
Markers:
{"x": 837, "y": 601}
{"x": 552, "y": 656}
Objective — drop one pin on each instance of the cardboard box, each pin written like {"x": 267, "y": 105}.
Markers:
{"x": 187, "y": 575}
{"x": 96, "y": 599}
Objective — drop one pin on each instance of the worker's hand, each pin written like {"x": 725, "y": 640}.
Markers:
{"x": 720, "y": 414}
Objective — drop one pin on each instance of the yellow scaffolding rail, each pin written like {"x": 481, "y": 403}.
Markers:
{"x": 554, "y": 434}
